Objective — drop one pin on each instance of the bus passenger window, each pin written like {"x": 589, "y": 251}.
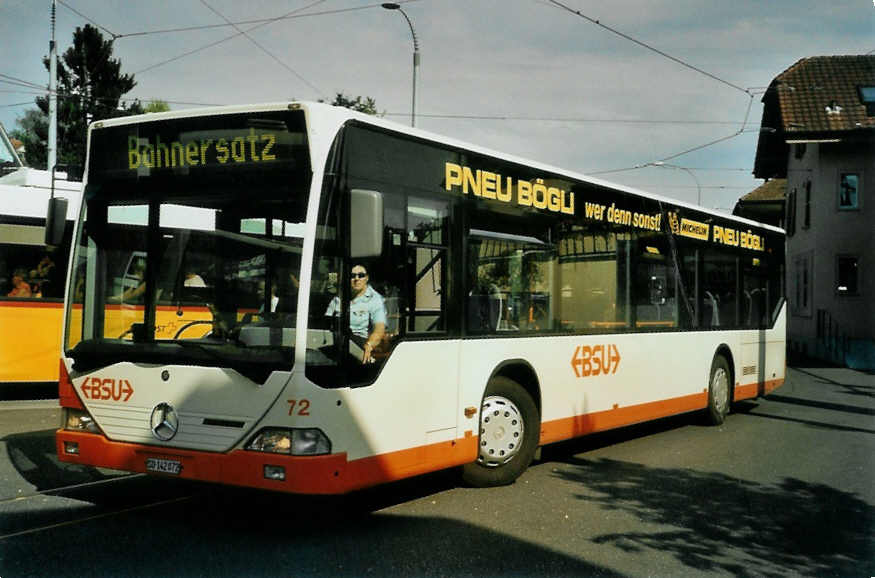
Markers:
{"x": 427, "y": 223}
{"x": 654, "y": 290}
{"x": 719, "y": 285}
{"x": 510, "y": 283}
{"x": 593, "y": 280}
{"x": 28, "y": 268}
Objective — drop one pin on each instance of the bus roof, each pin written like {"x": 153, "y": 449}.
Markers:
{"x": 26, "y": 192}
{"x": 335, "y": 117}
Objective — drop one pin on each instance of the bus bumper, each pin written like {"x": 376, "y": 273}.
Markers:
{"x": 304, "y": 475}
{"x": 328, "y": 474}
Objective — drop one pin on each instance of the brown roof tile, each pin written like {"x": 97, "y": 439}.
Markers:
{"x": 821, "y": 94}
{"x": 771, "y": 190}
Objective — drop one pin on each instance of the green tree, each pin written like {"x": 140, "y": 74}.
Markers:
{"x": 33, "y": 132}
{"x": 156, "y": 106}
{"x": 90, "y": 86}
{"x": 366, "y": 105}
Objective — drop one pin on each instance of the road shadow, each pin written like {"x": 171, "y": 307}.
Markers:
{"x": 33, "y": 456}
{"x": 221, "y": 531}
{"x": 847, "y": 388}
{"x": 714, "y": 522}
{"x": 821, "y": 404}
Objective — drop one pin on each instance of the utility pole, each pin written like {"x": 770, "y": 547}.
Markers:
{"x": 53, "y": 98}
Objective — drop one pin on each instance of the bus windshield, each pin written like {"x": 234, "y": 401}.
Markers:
{"x": 189, "y": 255}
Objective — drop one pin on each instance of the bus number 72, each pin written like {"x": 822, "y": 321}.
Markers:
{"x": 303, "y": 406}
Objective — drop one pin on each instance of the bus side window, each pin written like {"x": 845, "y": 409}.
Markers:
{"x": 427, "y": 246}
{"x": 31, "y": 272}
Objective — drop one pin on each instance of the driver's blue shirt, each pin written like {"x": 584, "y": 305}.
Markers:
{"x": 365, "y": 311}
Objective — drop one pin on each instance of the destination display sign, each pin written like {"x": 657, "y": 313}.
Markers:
{"x": 209, "y": 147}
{"x": 249, "y": 147}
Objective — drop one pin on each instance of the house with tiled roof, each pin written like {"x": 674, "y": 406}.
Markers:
{"x": 765, "y": 203}
{"x": 818, "y": 133}
{"x": 18, "y": 146}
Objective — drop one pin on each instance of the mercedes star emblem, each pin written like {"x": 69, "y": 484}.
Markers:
{"x": 164, "y": 422}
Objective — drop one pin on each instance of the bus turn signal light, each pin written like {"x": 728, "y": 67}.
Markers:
{"x": 274, "y": 473}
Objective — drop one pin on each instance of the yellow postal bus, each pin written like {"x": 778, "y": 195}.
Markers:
{"x": 32, "y": 275}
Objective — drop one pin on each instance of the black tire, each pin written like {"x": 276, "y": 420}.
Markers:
{"x": 719, "y": 391}
{"x": 510, "y": 427}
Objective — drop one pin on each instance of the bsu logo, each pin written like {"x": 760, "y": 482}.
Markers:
{"x": 106, "y": 389}
{"x": 591, "y": 360}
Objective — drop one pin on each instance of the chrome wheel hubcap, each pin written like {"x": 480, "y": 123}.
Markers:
{"x": 501, "y": 431}
{"x": 720, "y": 390}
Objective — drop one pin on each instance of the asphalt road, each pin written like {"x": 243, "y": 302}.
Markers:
{"x": 784, "y": 487}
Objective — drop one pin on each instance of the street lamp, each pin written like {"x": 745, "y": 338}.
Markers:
{"x": 396, "y": 6}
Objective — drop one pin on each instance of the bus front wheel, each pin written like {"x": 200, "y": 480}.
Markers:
{"x": 509, "y": 433}
{"x": 719, "y": 391}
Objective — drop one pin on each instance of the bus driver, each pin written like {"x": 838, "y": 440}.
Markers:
{"x": 367, "y": 313}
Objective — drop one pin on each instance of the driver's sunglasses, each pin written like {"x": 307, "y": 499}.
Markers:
{"x": 358, "y": 275}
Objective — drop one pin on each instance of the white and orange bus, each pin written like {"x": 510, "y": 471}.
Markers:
{"x": 523, "y": 304}
{"x": 32, "y": 274}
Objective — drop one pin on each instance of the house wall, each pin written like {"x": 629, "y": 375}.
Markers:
{"x": 813, "y": 251}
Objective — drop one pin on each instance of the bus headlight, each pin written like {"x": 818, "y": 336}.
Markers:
{"x": 309, "y": 442}
{"x": 295, "y": 442}
{"x": 80, "y": 420}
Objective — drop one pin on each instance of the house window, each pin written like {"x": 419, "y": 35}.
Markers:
{"x": 806, "y": 220}
{"x": 847, "y": 275}
{"x": 799, "y": 150}
{"x": 849, "y": 187}
{"x": 801, "y": 292}
{"x": 791, "y": 213}
{"x": 867, "y": 96}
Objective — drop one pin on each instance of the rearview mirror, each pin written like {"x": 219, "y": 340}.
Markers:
{"x": 366, "y": 223}
{"x": 56, "y": 220}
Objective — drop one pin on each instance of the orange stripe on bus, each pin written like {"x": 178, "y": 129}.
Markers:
{"x": 770, "y": 386}
{"x": 752, "y": 390}
{"x": 746, "y": 391}
{"x": 567, "y": 428}
{"x": 330, "y": 474}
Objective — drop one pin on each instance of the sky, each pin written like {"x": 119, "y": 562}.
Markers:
{"x": 619, "y": 98}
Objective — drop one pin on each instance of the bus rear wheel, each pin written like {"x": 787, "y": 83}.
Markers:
{"x": 509, "y": 432}
{"x": 719, "y": 391}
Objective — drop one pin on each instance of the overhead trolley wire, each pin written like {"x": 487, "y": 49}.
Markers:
{"x": 749, "y": 92}
{"x": 293, "y": 15}
{"x": 263, "y": 49}
{"x": 649, "y": 47}
{"x": 210, "y": 45}
{"x": 20, "y": 82}
{"x": 236, "y": 25}
{"x": 567, "y": 119}
{"x": 73, "y": 10}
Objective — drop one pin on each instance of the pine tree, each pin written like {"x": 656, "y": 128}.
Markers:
{"x": 90, "y": 86}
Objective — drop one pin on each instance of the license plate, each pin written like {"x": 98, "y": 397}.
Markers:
{"x": 163, "y": 466}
